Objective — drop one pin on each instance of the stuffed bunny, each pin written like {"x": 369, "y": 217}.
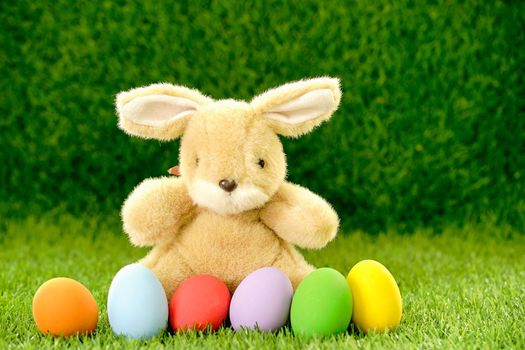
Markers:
{"x": 231, "y": 211}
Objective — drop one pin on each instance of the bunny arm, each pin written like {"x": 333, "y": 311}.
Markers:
{"x": 155, "y": 210}
{"x": 300, "y": 217}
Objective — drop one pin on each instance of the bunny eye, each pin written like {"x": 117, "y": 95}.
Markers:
{"x": 261, "y": 163}
{"x": 196, "y": 160}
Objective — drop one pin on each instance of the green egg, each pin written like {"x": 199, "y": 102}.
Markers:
{"x": 322, "y": 304}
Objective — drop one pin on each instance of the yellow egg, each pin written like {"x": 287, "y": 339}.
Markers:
{"x": 377, "y": 301}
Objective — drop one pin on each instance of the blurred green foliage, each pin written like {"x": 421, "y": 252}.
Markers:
{"x": 431, "y": 128}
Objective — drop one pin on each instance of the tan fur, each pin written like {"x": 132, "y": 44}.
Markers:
{"x": 193, "y": 225}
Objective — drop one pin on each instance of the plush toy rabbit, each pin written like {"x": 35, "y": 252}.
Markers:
{"x": 230, "y": 212}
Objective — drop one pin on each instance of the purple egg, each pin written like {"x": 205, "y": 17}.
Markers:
{"x": 262, "y": 300}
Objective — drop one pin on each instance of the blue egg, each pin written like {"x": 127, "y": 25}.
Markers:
{"x": 137, "y": 304}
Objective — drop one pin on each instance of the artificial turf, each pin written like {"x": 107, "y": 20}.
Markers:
{"x": 461, "y": 287}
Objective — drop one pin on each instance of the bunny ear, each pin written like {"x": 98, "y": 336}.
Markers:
{"x": 158, "y": 111}
{"x": 296, "y": 108}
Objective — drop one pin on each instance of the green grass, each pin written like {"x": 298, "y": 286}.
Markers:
{"x": 462, "y": 287}
{"x": 431, "y": 128}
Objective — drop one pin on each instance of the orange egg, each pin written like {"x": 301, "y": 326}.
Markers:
{"x": 62, "y": 306}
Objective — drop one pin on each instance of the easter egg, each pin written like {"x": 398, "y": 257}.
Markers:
{"x": 137, "y": 304}
{"x": 262, "y": 300}
{"x": 199, "y": 302}
{"x": 322, "y": 304}
{"x": 63, "y": 306}
{"x": 377, "y": 301}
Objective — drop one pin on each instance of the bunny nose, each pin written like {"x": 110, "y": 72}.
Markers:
{"x": 228, "y": 185}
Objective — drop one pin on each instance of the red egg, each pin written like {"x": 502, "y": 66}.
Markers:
{"x": 199, "y": 302}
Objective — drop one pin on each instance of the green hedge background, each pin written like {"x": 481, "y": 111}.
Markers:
{"x": 431, "y": 128}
